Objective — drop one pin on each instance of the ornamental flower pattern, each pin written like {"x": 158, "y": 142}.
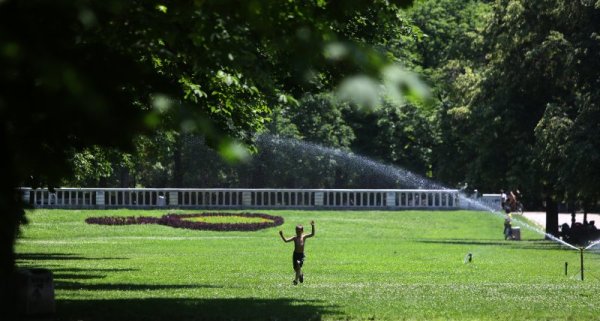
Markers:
{"x": 179, "y": 221}
{"x": 122, "y": 220}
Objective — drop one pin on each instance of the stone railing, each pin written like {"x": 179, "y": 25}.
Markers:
{"x": 211, "y": 198}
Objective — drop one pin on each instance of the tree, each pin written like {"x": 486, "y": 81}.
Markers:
{"x": 537, "y": 84}
{"x": 450, "y": 54}
{"x": 81, "y": 74}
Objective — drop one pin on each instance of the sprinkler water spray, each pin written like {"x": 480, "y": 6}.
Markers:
{"x": 398, "y": 175}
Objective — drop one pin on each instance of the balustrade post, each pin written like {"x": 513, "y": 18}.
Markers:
{"x": 173, "y": 198}
{"x": 390, "y": 199}
{"x": 25, "y": 194}
{"x": 318, "y": 198}
{"x": 246, "y": 199}
{"x": 100, "y": 202}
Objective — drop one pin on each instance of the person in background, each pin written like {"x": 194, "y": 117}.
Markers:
{"x": 503, "y": 199}
{"x": 508, "y": 234}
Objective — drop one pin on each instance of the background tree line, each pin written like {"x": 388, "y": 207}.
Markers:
{"x": 512, "y": 105}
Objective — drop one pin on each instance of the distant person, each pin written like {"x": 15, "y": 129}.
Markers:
{"x": 503, "y": 198}
{"x": 565, "y": 231}
{"x": 512, "y": 200}
{"x": 508, "y": 233}
{"x": 298, "y": 256}
{"x": 518, "y": 194}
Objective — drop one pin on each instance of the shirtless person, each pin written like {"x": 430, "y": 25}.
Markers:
{"x": 298, "y": 258}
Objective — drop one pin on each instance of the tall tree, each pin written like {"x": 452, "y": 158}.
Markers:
{"x": 79, "y": 74}
{"x": 536, "y": 84}
{"x": 450, "y": 54}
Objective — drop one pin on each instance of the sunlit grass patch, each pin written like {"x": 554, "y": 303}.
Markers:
{"x": 360, "y": 265}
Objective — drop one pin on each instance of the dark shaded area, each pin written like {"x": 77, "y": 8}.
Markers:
{"x": 522, "y": 245}
{"x": 75, "y": 276}
{"x": 83, "y": 274}
{"x": 59, "y": 257}
{"x": 192, "y": 309}
{"x": 69, "y": 285}
{"x": 97, "y": 270}
{"x": 580, "y": 234}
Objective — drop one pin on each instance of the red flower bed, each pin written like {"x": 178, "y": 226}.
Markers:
{"x": 122, "y": 220}
{"x": 179, "y": 221}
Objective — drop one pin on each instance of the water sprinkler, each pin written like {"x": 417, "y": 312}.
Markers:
{"x": 468, "y": 258}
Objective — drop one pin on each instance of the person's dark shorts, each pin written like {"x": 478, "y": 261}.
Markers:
{"x": 298, "y": 260}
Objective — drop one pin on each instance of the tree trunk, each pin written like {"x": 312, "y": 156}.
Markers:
{"x": 573, "y": 213}
{"x": 11, "y": 216}
{"x": 177, "y": 166}
{"x": 9, "y": 226}
{"x": 551, "y": 216}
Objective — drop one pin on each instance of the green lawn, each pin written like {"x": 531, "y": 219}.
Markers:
{"x": 359, "y": 266}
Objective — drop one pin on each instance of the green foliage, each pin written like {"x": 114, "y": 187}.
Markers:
{"x": 512, "y": 78}
{"x": 539, "y": 57}
{"x": 400, "y": 135}
{"x": 320, "y": 118}
{"x": 76, "y": 75}
{"x": 449, "y": 54}
{"x": 361, "y": 265}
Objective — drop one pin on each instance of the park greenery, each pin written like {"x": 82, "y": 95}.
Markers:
{"x": 512, "y": 105}
{"x": 361, "y": 265}
{"x": 494, "y": 93}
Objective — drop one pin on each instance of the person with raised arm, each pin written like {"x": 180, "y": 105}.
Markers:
{"x": 298, "y": 256}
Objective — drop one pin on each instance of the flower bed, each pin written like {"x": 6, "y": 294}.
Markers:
{"x": 183, "y": 221}
{"x": 122, "y": 220}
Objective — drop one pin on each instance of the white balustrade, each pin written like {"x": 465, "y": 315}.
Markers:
{"x": 240, "y": 198}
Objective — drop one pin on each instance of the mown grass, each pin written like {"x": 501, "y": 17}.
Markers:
{"x": 360, "y": 266}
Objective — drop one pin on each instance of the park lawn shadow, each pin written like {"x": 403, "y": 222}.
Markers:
{"x": 20, "y": 257}
{"x": 523, "y": 245}
{"x": 71, "y": 285}
{"x": 191, "y": 309}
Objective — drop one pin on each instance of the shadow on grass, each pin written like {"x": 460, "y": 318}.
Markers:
{"x": 70, "y": 285}
{"x": 60, "y": 273}
{"x": 75, "y": 276}
{"x": 59, "y": 257}
{"x": 192, "y": 309}
{"x": 524, "y": 245}
{"x": 94, "y": 270}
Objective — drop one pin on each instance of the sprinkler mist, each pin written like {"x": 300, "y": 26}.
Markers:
{"x": 400, "y": 176}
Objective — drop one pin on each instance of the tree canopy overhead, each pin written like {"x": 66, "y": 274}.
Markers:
{"x": 81, "y": 74}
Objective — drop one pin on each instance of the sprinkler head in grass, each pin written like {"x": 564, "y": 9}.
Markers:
{"x": 468, "y": 258}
